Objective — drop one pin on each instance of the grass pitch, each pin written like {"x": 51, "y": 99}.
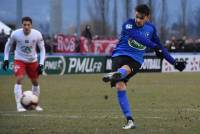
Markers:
{"x": 162, "y": 103}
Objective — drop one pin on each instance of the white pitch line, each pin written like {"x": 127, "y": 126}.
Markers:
{"x": 138, "y": 110}
{"x": 78, "y": 116}
{"x": 14, "y": 113}
{"x": 72, "y": 116}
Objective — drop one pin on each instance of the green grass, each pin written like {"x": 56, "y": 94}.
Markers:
{"x": 162, "y": 103}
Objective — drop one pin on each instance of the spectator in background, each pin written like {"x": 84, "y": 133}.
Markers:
{"x": 182, "y": 43}
{"x": 48, "y": 44}
{"x": 87, "y": 32}
{"x": 173, "y": 44}
{"x": 2, "y": 33}
{"x": 197, "y": 44}
{"x": 3, "y": 39}
{"x": 88, "y": 35}
{"x": 167, "y": 44}
{"x": 189, "y": 45}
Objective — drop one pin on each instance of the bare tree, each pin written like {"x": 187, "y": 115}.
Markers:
{"x": 183, "y": 16}
{"x": 197, "y": 22}
{"x": 56, "y": 16}
{"x": 139, "y": 2}
{"x": 151, "y": 4}
{"x": 163, "y": 20}
{"x": 99, "y": 14}
{"x": 128, "y": 8}
{"x": 115, "y": 18}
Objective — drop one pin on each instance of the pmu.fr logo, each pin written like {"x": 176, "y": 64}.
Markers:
{"x": 195, "y": 64}
{"x": 54, "y": 65}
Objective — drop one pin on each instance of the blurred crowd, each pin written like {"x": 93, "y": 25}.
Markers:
{"x": 174, "y": 44}
{"x": 183, "y": 44}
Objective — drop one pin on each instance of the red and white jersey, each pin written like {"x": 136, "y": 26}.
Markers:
{"x": 26, "y": 46}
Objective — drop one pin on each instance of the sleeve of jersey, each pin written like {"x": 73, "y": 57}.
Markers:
{"x": 42, "y": 50}
{"x": 166, "y": 54}
{"x": 8, "y": 45}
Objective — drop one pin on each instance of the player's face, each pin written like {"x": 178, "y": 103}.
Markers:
{"x": 26, "y": 27}
{"x": 140, "y": 19}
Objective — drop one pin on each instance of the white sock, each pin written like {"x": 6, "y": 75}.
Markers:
{"x": 36, "y": 90}
{"x": 18, "y": 92}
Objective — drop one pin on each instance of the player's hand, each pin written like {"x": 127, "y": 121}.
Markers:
{"x": 5, "y": 65}
{"x": 40, "y": 69}
{"x": 180, "y": 65}
{"x": 159, "y": 52}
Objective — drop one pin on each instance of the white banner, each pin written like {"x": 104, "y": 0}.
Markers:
{"x": 192, "y": 60}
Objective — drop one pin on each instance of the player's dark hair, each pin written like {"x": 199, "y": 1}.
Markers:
{"x": 26, "y": 18}
{"x": 143, "y": 9}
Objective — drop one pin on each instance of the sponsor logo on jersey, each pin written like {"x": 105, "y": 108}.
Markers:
{"x": 133, "y": 43}
{"x": 26, "y": 41}
{"x": 129, "y": 26}
{"x": 147, "y": 34}
{"x": 26, "y": 49}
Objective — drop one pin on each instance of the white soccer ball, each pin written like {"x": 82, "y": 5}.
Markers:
{"x": 29, "y": 101}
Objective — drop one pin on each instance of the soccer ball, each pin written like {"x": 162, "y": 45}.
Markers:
{"x": 29, "y": 101}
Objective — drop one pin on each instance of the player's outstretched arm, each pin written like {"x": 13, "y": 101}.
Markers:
{"x": 8, "y": 45}
{"x": 42, "y": 54}
{"x": 179, "y": 65}
{"x": 7, "y": 48}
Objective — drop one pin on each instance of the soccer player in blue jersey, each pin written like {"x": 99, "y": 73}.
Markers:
{"x": 137, "y": 34}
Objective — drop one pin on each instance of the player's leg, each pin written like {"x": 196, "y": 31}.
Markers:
{"x": 19, "y": 71}
{"x": 124, "y": 104}
{"x": 35, "y": 87}
{"x": 33, "y": 75}
{"x": 128, "y": 70}
{"x": 36, "y": 91}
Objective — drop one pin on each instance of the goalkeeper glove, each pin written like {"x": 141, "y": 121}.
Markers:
{"x": 180, "y": 65}
{"x": 40, "y": 69}
{"x": 5, "y": 65}
{"x": 159, "y": 52}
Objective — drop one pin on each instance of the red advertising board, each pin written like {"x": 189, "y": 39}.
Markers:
{"x": 69, "y": 44}
{"x": 97, "y": 46}
{"x": 65, "y": 44}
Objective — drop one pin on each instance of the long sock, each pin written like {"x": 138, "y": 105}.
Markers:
{"x": 124, "y": 103}
{"x": 36, "y": 90}
{"x": 123, "y": 72}
{"x": 18, "y": 92}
